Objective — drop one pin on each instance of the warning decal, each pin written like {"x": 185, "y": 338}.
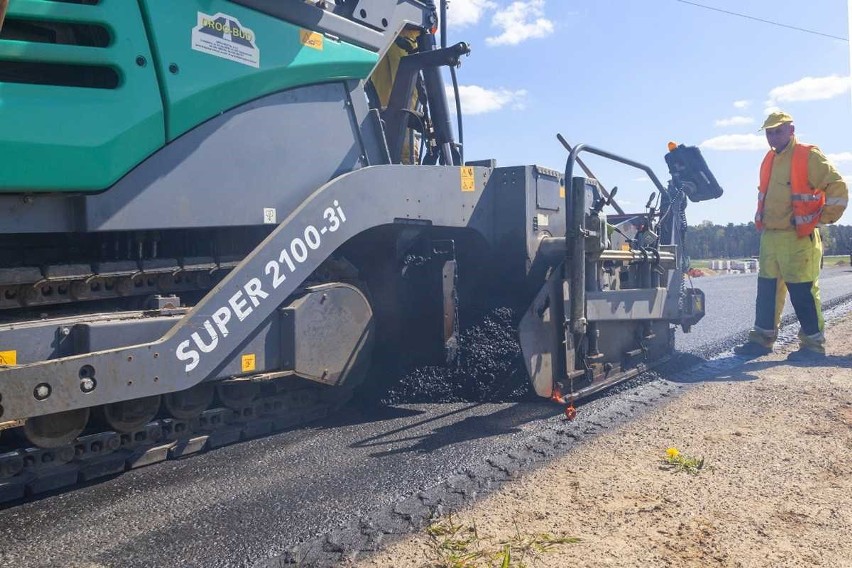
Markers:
{"x": 467, "y": 181}
{"x": 311, "y": 39}
{"x": 224, "y": 36}
{"x": 8, "y": 357}
{"x": 248, "y": 362}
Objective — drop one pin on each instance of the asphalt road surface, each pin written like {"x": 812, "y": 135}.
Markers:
{"x": 730, "y": 306}
{"x": 244, "y": 504}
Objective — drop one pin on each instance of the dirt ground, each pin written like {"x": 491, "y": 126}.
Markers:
{"x": 775, "y": 489}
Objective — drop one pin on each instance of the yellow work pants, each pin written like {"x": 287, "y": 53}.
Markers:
{"x": 789, "y": 263}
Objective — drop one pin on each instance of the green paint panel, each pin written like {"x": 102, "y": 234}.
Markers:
{"x": 205, "y": 74}
{"x": 57, "y": 137}
{"x": 65, "y": 137}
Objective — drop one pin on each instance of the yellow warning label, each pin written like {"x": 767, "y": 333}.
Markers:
{"x": 562, "y": 191}
{"x": 8, "y": 357}
{"x": 467, "y": 181}
{"x": 311, "y": 39}
{"x": 249, "y": 362}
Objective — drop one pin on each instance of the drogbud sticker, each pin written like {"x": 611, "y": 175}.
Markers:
{"x": 224, "y": 36}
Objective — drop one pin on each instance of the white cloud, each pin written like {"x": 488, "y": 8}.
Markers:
{"x": 735, "y": 142}
{"x": 479, "y": 100}
{"x": 810, "y": 89}
{"x": 520, "y": 21}
{"x": 841, "y": 157}
{"x": 463, "y": 13}
{"x": 742, "y": 104}
{"x": 770, "y": 108}
{"x": 734, "y": 121}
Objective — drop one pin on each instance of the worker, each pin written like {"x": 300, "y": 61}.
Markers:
{"x": 382, "y": 81}
{"x": 799, "y": 191}
{"x": 4, "y": 5}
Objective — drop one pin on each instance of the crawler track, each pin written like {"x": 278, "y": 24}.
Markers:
{"x": 490, "y": 369}
{"x": 30, "y": 471}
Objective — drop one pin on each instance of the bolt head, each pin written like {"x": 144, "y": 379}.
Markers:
{"x": 42, "y": 391}
{"x": 87, "y": 384}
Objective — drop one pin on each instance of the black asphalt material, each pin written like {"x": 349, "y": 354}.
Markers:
{"x": 489, "y": 368}
{"x": 555, "y": 438}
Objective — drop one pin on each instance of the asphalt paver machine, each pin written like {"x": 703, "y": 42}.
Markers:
{"x": 215, "y": 217}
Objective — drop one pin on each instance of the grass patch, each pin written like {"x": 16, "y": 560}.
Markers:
{"x": 676, "y": 461}
{"x": 457, "y": 545}
{"x": 693, "y": 263}
{"x": 836, "y": 260}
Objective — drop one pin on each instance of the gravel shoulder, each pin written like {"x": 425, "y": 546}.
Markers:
{"x": 775, "y": 489}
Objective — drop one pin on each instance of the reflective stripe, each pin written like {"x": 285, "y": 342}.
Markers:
{"x": 805, "y": 219}
{"x": 837, "y": 201}
{"x": 806, "y": 197}
{"x": 767, "y": 333}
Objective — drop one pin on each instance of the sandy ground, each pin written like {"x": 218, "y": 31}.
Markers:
{"x": 776, "y": 488}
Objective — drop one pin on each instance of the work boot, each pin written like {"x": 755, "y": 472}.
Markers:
{"x": 805, "y": 355}
{"x": 815, "y": 342}
{"x": 752, "y": 350}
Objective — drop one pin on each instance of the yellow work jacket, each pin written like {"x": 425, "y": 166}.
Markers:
{"x": 385, "y": 73}
{"x": 778, "y": 207}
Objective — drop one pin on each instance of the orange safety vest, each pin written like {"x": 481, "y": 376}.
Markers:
{"x": 807, "y": 201}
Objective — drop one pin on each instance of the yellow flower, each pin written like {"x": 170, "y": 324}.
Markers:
{"x": 672, "y": 453}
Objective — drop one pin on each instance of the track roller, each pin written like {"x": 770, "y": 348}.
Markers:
{"x": 55, "y": 430}
{"x": 189, "y": 403}
{"x": 129, "y": 415}
{"x": 237, "y": 395}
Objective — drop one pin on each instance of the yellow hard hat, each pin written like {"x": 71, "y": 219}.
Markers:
{"x": 776, "y": 119}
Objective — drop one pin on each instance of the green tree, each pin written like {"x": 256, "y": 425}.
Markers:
{"x": 743, "y": 241}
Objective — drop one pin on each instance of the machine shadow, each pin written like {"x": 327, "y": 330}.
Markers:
{"x": 735, "y": 368}
{"x": 434, "y": 432}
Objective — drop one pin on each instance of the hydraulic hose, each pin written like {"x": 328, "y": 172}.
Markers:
{"x": 460, "y": 123}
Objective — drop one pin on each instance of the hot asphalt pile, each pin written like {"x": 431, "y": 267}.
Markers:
{"x": 489, "y": 367}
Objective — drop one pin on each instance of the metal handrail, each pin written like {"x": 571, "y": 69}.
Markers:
{"x": 574, "y": 209}
{"x": 576, "y": 150}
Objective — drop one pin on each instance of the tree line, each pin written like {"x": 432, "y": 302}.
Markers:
{"x": 743, "y": 241}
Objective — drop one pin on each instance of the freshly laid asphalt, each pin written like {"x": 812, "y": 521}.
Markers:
{"x": 730, "y": 306}
{"x": 248, "y": 504}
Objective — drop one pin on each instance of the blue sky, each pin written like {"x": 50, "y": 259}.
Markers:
{"x": 630, "y": 75}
